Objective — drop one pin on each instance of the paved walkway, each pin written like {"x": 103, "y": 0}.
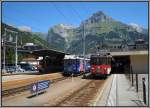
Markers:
{"x": 119, "y": 93}
{"x": 20, "y": 73}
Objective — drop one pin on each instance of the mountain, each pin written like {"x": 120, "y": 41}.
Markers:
{"x": 23, "y": 38}
{"x": 60, "y": 36}
{"x": 138, "y": 28}
{"x": 98, "y": 28}
{"x": 41, "y": 35}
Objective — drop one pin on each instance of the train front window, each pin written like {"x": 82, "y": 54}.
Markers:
{"x": 69, "y": 61}
{"x": 100, "y": 61}
{"x": 105, "y": 60}
{"x": 95, "y": 61}
{"x": 77, "y": 61}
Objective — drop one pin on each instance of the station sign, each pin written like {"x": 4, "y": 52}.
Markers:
{"x": 36, "y": 87}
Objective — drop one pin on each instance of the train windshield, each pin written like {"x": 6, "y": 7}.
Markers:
{"x": 101, "y": 61}
{"x": 71, "y": 61}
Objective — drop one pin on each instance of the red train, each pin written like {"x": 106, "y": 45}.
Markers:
{"x": 101, "y": 64}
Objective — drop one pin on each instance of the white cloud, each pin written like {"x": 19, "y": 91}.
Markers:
{"x": 138, "y": 27}
{"x": 25, "y": 28}
{"x": 11, "y": 25}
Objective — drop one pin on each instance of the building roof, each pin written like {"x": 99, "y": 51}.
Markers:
{"x": 43, "y": 52}
{"x": 73, "y": 57}
{"x": 47, "y": 52}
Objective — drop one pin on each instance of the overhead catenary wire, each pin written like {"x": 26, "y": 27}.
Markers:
{"x": 83, "y": 35}
{"x": 57, "y": 10}
{"x": 60, "y": 12}
{"x": 76, "y": 12}
{"x": 80, "y": 18}
{"x": 35, "y": 19}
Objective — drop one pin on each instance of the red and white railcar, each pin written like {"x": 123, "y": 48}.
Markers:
{"x": 101, "y": 64}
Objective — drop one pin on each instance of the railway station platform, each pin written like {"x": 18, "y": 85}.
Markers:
{"x": 119, "y": 92}
{"x": 20, "y": 73}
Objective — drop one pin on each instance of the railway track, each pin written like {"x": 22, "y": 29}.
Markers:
{"x": 18, "y": 90}
{"x": 84, "y": 96}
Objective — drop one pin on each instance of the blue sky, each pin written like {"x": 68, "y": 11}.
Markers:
{"x": 40, "y": 16}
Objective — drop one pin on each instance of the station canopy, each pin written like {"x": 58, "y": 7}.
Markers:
{"x": 43, "y": 52}
{"x": 47, "y": 52}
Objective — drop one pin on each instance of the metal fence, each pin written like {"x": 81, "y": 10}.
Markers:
{"x": 140, "y": 83}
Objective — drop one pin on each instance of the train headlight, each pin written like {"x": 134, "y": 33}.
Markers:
{"x": 98, "y": 67}
{"x": 108, "y": 70}
{"x": 92, "y": 68}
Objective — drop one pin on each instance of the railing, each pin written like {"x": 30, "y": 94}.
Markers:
{"x": 140, "y": 82}
{"x": 129, "y": 48}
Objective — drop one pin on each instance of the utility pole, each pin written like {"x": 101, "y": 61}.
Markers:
{"x": 16, "y": 45}
{"x": 16, "y": 56}
{"x": 83, "y": 42}
{"x": 4, "y": 48}
{"x": 83, "y": 48}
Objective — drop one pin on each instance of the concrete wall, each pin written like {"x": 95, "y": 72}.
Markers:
{"x": 139, "y": 63}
